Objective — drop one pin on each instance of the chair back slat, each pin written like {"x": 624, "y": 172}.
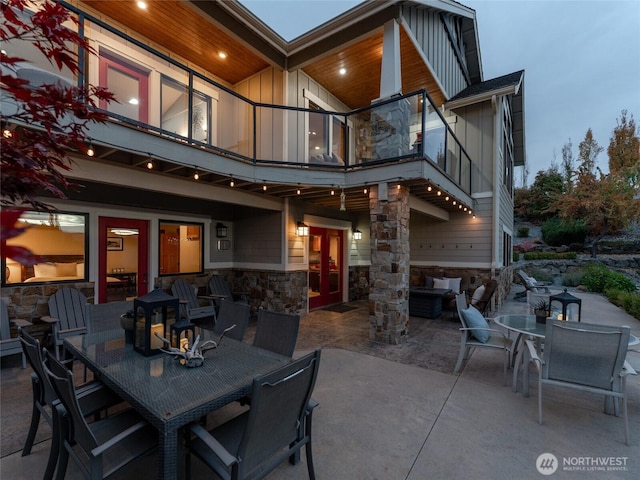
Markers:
{"x": 278, "y": 406}
{"x": 33, "y": 351}
{"x": 219, "y": 286}
{"x": 277, "y": 332}
{"x": 63, "y": 384}
{"x": 185, "y": 291}
{"x": 233, "y": 313}
{"x": 590, "y": 355}
{"x": 105, "y": 316}
{"x": 68, "y": 306}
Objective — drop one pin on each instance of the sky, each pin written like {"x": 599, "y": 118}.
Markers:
{"x": 581, "y": 60}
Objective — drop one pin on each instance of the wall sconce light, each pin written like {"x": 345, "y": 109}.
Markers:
{"x": 302, "y": 229}
{"x": 221, "y": 230}
{"x": 357, "y": 234}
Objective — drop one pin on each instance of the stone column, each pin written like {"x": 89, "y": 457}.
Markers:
{"x": 389, "y": 272}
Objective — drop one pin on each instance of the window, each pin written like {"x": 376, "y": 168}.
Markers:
{"x": 59, "y": 239}
{"x": 129, "y": 84}
{"x": 507, "y": 246}
{"x": 507, "y": 147}
{"x": 181, "y": 248}
{"x": 175, "y": 111}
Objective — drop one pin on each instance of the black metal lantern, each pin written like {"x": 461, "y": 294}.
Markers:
{"x": 154, "y": 307}
{"x": 568, "y": 303}
{"x": 179, "y": 328}
{"x": 221, "y": 230}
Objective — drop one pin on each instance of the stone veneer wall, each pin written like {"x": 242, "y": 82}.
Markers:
{"x": 271, "y": 290}
{"x": 358, "y": 283}
{"x": 389, "y": 271}
{"x": 31, "y": 302}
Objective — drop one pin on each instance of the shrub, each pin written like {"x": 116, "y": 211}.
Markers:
{"x": 550, "y": 256}
{"x": 627, "y": 300}
{"x": 541, "y": 275}
{"x": 598, "y": 278}
{"x": 523, "y": 232}
{"x": 572, "y": 279}
{"x": 556, "y": 232}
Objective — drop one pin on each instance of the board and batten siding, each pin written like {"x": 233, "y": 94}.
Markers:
{"x": 462, "y": 241}
{"x": 431, "y": 34}
{"x": 474, "y": 127}
{"x": 298, "y": 82}
{"x": 266, "y": 86}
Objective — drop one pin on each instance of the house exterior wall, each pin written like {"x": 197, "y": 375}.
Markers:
{"x": 431, "y": 35}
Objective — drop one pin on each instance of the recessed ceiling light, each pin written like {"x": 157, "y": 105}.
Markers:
{"x": 222, "y": 55}
{"x": 342, "y": 71}
{"x": 133, "y": 101}
{"x": 141, "y": 4}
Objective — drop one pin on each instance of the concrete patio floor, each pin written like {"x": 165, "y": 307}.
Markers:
{"x": 387, "y": 413}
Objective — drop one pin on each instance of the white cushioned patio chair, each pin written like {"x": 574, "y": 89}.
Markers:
{"x": 476, "y": 333}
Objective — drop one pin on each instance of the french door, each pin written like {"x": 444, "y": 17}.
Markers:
{"x": 123, "y": 258}
{"x": 326, "y": 266}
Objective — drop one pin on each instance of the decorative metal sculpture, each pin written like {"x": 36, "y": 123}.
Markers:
{"x": 193, "y": 356}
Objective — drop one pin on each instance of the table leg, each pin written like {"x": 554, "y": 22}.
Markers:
{"x": 168, "y": 455}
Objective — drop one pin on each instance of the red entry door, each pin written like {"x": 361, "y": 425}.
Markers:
{"x": 123, "y": 255}
{"x": 326, "y": 266}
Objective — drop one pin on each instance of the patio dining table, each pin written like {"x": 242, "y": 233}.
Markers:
{"x": 167, "y": 394}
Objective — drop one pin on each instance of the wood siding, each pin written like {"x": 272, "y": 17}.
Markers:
{"x": 258, "y": 239}
{"x": 431, "y": 35}
{"x": 463, "y": 240}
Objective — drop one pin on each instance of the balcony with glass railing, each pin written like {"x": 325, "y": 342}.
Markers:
{"x": 160, "y": 95}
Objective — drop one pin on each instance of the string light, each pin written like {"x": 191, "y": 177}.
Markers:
{"x": 196, "y": 176}
{"x": 343, "y": 198}
{"x": 150, "y": 164}
{"x": 264, "y": 188}
{"x": 429, "y": 188}
{"x": 90, "y": 151}
{"x": 232, "y": 183}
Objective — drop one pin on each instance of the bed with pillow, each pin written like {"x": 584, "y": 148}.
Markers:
{"x": 55, "y": 272}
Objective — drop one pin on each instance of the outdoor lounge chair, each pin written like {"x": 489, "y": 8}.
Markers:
{"x": 9, "y": 345}
{"x": 586, "y": 357}
{"x": 99, "y": 448}
{"x": 219, "y": 287}
{"x": 476, "y": 333}
{"x": 66, "y": 316}
{"x": 484, "y": 301}
{"x": 530, "y": 284}
{"x": 276, "y": 426}
{"x": 190, "y": 306}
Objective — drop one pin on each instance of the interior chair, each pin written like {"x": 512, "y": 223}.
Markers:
{"x": 276, "y": 426}
{"x": 232, "y": 313}
{"x": 476, "y": 333}
{"x": 483, "y": 302}
{"x": 530, "y": 284}
{"x": 10, "y": 345}
{"x": 190, "y": 306}
{"x": 105, "y": 316}
{"x": 277, "y": 332}
{"x": 99, "y": 448}
{"x": 66, "y": 316}
{"x": 93, "y": 398}
{"x": 585, "y": 357}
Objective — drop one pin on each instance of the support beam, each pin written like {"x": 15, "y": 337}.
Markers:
{"x": 391, "y": 78}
